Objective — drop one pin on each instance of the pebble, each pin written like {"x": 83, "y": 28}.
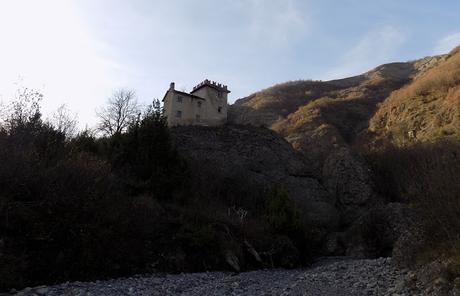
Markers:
{"x": 329, "y": 278}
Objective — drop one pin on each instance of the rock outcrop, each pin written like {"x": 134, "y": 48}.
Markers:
{"x": 347, "y": 177}
{"x": 328, "y": 123}
{"x": 261, "y": 158}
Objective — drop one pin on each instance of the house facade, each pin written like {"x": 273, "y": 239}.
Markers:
{"x": 205, "y": 105}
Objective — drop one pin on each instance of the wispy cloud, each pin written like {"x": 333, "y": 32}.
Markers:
{"x": 376, "y": 47}
{"x": 447, "y": 43}
{"x": 77, "y": 51}
{"x": 276, "y": 22}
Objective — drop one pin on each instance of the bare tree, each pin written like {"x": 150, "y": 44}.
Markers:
{"x": 23, "y": 109}
{"x": 121, "y": 109}
{"x": 65, "y": 121}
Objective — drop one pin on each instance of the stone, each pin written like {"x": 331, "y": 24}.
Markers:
{"x": 456, "y": 283}
{"x": 259, "y": 158}
{"x": 326, "y": 277}
{"x": 456, "y": 287}
{"x": 375, "y": 232}
{"x": 232, "y": 260}
{"x": 253, "y": 251}
{"x": 440, "y": 281}
{"x": 42, "y": 290}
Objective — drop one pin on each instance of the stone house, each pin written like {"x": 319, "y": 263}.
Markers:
{"x": 205, "y": 105}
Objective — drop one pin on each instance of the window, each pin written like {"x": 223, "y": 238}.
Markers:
{"x": 219, "y": 94}
{"x": 219, "y": 109}
{"x": 198, "y": 118}
{"x": 179, "y": 99}
{"x": 179, "y": 114}
{"x": 199, "y": 104}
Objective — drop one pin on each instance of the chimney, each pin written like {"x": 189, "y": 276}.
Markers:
{"x": 171, "y": 86}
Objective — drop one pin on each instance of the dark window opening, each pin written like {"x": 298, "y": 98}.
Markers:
{"x": 179, "y": 99}
{"x": 178, "y": 114}
{"x": 219, "y": 109}
{"x": 198, "y": 118}
{"x": 199, "y": 104}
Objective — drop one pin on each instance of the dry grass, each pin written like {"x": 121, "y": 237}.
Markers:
{"x": 302, "y": 110}
{"x": 426, "y": 109}
{"x": 285, "y": 98}
{"x": 347, "y": 110}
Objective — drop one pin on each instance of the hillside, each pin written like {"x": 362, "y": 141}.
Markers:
{"x": 425, "y": 110}
{"x": 316, "y": 117}
{"x": 325, "y": 121}
{"x": 389, "y": 137}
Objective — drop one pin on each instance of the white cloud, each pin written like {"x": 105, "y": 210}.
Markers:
{"x": 447, "y": 43}
{"x": 276, "y": 22}
{"x": 375, "y": 48}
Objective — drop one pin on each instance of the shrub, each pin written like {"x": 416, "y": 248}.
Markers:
{"x": 86, "y": 208}
{"x": 281, "y": 212}
{"x": 283, "y": 219}
{"x": 424, "y": 175}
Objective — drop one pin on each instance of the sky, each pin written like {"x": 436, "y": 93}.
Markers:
{"x": 78, "y": 52}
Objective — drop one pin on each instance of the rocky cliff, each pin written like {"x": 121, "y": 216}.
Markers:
{"x": 332, "y": 122}
{"x": 326, "y": 120}
{"x": 262, "y": 159}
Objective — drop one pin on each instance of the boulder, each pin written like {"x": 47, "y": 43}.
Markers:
{"x": 348, "y": 178}
{"x": 232, "y": 260}
{"x": 375, "y": 233}
{"x": 257, "y": 158}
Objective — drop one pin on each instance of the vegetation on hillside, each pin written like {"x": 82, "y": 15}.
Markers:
{"x": 425, "y": 176}
{"x": 84, "y": 207}
{"x": 426, "y": 109}
{"x": 414, "y": 150}
{"x": 74, "y": 206}
{"x": 404, "y": 118}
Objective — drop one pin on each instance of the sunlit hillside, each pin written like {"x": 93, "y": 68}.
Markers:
{"x": 427, "y": 109}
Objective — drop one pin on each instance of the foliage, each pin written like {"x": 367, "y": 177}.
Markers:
{"x": 284, "y": 221}
{"x": 281, "y": 213}
{"x": 24, "y": 109}
{"x": 427, "y": 109}
{"x": 83, "y": 208}
{"x": 424, "y": 175}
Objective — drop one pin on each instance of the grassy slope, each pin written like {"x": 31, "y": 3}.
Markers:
{"x": 425, "y": 110}
{"x": 316, "y": 116}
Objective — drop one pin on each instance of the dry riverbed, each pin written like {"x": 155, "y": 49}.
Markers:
{"x": 328, "y": 277}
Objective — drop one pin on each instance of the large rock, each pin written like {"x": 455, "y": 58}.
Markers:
{"x": 375, "y": 233}
{"x": 411, "y": 241}
{"x": 347, "y": 177}
{"x": 261, "y": 158}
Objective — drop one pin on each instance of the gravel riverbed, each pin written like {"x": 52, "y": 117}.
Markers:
{"x": 327, "y": 277}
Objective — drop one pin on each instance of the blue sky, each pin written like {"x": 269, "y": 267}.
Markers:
{"x": 78, "y": 51}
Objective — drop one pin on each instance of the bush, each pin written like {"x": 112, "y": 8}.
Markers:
{"x": 86, "y": 208}
{"x": 426, "y": 176}
{"x": 281, "y": 213}
{"x": 284, "y": 221}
